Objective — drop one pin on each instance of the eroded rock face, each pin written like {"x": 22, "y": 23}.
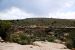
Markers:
{"x": 38, "y": 45}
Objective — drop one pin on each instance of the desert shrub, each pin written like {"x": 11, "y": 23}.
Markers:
{"x": 51, "y": 38}
{"x": 70, "y": 43}
{"x": 4, "y": 29}
{"x": 20, "y": 38}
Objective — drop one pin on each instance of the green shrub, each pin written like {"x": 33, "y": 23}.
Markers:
{"x": 51, "y": 38}
{"x": 4, "y": 29}
{"x": 20, "y": 38}
{"x": 69, "y": 43}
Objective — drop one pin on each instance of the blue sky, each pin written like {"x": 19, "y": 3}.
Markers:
{"x": 19, "y": 9}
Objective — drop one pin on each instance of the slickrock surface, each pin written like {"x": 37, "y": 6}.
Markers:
{"x": 38, "y": 45}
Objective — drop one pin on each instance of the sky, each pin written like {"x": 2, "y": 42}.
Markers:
{"x": 21, "y": 9}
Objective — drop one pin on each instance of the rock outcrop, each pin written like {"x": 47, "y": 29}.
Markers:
{"x": 38, "y": 45}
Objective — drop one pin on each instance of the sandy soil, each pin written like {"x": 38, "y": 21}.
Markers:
{"x": 38, "y": 45}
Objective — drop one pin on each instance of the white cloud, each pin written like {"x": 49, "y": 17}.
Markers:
{"x": 68, "y": 4}
{"x": 63, "y": 15}
{"x": 37, "y": 8}
{"x": 14, "y": 13}
{"x": 65, "y": 11}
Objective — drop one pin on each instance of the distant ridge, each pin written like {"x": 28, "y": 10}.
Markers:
{"x": 44, "y": 21}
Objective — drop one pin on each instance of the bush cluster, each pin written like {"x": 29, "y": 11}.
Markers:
{"x": 20, "y": 38}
